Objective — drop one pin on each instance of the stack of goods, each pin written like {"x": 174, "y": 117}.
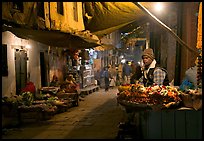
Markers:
{"x": 152, "y": 95}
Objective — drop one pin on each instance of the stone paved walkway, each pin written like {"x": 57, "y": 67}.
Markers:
{"x": 97, "y": 117}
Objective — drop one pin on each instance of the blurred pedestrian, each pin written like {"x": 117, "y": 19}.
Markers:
{"x": 97, "y": 77}
{"x": 126, "y": 73}
{"x": 106, "y": 78}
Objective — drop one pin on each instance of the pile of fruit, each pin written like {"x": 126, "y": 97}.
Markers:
{"x": 137, "y": 93}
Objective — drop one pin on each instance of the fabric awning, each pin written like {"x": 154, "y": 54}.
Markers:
{"x": 105, "y": 17}
{"x": 56, "y": 38}
{"x": 102, "y": 18}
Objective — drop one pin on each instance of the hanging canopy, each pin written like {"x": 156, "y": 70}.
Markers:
{"x": 27, "y": 24}
{"x": 55, "y": 38}
{"x": 102, "y": 18}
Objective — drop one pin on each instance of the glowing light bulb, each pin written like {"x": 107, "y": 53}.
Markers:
{"x": 159, "y": 7}
{"x": 28, "y": 46}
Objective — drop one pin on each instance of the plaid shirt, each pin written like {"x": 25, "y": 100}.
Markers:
{"x": 159, "y": 76}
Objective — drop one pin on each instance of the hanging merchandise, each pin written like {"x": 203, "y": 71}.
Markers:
{"x": 199, "y": 47}
{"x": 199, "y": 70}
{"x": 199, "y": 31}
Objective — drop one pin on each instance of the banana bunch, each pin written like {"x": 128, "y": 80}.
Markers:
{"x": 123, "y": 88}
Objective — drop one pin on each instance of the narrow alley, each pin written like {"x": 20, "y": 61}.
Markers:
{"x": 96, "y": 117}
{"x": 101, "y": 70}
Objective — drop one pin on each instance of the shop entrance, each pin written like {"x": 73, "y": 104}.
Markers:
{"x": 43, "y": 70}
{"x": 20, "y": 69}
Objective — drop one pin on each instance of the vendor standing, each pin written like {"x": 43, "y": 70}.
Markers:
{"x": 152, "y": 73}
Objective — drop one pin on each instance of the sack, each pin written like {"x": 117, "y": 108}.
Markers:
{"x": 191, "y": 75}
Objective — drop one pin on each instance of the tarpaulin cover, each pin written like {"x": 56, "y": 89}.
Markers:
{"x": 54, "y": 38}
{"x": 105, "y": 17}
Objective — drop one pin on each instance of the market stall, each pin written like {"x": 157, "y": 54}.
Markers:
{"x": 162, "y": 111}
{"x": 49, "y": 101}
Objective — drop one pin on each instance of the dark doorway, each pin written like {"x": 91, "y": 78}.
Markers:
{"x": 21, "y": 69}
{"x": 43, "y": 69}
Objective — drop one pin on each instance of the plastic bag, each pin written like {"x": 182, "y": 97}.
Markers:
{"x": 191, "y": 74}
{"x": 186, "y": 85}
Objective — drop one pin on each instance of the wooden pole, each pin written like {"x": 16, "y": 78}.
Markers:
{"x": 166, "y": 28}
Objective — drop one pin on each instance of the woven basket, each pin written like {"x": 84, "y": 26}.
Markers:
{"x": 192, "y": 101}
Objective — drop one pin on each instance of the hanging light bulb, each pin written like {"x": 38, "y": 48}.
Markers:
{"x": 159, "y": 7}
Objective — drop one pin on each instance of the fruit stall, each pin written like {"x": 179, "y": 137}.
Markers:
{"x": 161, "y": 112}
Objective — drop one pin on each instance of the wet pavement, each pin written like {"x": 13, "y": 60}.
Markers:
{"x": 97, "y": 117}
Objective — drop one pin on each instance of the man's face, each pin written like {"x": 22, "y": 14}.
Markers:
{"x": 146, "y": 60}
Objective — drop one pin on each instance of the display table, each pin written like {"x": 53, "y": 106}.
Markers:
{"x": 162, "y": 112}
{"x": 176, "y": 123}
{"x": 73, "y": 97}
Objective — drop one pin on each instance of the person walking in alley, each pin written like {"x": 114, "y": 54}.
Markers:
{"x": 152, "y": 73}
{"x": 106, "y": 78}
{"x": 120, "y": 74}
{"x": 133, "y": 66}
{"x": 113, "y": 73}
{"x": 126, "y": 73}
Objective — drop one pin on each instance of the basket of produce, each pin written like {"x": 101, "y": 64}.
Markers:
{"x": 156, "y": 97}
{"x": 192, "y": 99}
